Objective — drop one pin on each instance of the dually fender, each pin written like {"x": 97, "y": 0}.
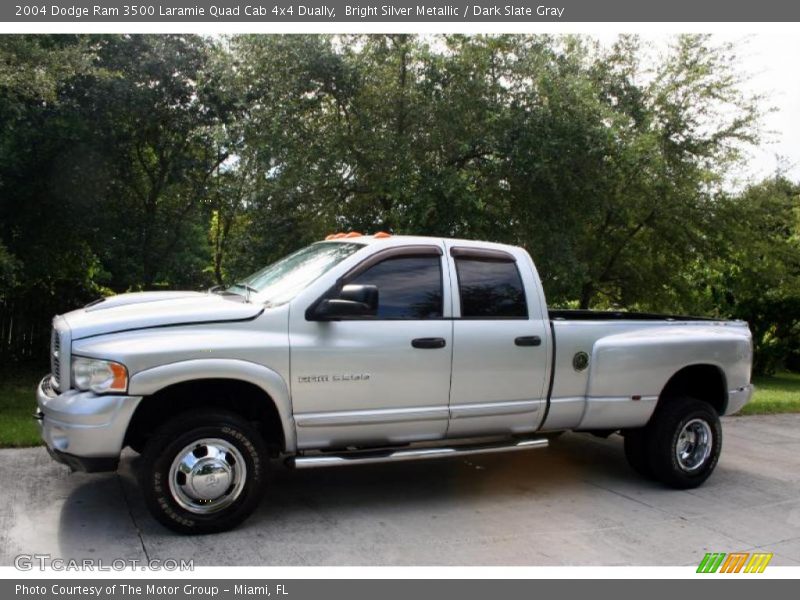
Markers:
{"x": 150, "y": 381}
{"x": 629, "y": 372}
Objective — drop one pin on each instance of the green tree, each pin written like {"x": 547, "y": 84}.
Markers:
{"x": 156, "y": 122}
{"x": 756, "y": 274}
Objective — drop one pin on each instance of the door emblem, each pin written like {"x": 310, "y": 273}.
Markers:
{"x": 338, "y": 378}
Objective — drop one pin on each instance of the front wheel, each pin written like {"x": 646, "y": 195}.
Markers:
{"x": 203, "y": 472}
{"x": 684, "y": 441}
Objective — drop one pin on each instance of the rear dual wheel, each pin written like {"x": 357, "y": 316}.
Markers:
{"x": 681, "y": 444}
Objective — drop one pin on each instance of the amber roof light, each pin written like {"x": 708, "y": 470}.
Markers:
{"x": 354, "y": 234}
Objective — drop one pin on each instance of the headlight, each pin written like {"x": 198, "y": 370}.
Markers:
{"x": 99, "y": 376}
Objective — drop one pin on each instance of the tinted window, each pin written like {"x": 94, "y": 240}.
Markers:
{"x": 490, "y": 289}
{"x": 409, "y": 287}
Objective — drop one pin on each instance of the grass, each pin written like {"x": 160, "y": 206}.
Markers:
{"x": 779, "y": 393}
{"x": 18, "y": 428}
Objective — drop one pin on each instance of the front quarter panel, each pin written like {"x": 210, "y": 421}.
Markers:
{"x": 255, "y": 351}
{"x": 150, "y": 381}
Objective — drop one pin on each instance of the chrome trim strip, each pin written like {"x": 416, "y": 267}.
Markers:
{"x": 491, "y": 409}
{"x": 620, "y": 399}
{"x": 564, "y": 399}
{"x": 568, "y": 399}
{"x": 427, "y": 413}
{"x": 336, "y": 460}
{"x": 371, "y": 417}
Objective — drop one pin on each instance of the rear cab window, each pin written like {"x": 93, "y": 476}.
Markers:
{"x": 490, "y": 286}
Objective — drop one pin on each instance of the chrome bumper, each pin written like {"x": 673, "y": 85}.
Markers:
{"x": 738, "y": 398}
{"x": 82, "y": 427}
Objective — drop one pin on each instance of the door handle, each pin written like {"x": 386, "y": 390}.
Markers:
{"x": 528, "y": 340}
{"x": 428, "y": 343}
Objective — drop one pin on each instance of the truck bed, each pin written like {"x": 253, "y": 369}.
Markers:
{"x": 618, "y": 315}
{"x": 610, "y": 367}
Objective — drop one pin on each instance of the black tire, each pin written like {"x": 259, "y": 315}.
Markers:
{"x": 224, "y": 433}
{"x": 637, "y": 452}
{"x": 663, "y": 435}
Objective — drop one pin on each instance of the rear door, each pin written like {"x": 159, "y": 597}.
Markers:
{"x": 500, "y": 343}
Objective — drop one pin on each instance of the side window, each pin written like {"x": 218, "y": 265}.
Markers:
{"x": 409, "y": 287}
{"x": 490, "y": 289}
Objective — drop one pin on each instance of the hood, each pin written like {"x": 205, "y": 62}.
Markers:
{"x": 143, "y": 310}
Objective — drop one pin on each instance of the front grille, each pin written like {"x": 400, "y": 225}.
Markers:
{"x": 55, "y": 357}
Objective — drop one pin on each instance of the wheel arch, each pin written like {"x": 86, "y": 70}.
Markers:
{"x": 250, "y": 389}
{"x": 704, "y": 381}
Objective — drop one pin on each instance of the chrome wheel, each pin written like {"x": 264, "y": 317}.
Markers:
{"x": 694, "y": 446}
{"x": 207, "y": 475}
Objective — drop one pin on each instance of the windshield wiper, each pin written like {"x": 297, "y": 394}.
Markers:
{"x": 248, "y": 289}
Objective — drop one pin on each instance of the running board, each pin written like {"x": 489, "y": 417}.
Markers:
{"x": 366, "y": 458}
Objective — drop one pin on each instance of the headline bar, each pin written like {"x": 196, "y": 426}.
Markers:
{"x": 315, "y": 11}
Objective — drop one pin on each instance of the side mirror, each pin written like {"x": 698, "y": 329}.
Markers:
{"x": 352, "y": 301}
{"x": 368, "y": 294}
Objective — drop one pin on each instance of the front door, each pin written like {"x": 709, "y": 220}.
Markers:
{"x": 383, "y": 379}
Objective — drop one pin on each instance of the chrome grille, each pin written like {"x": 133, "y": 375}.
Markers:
{"x": 55, "y": 357}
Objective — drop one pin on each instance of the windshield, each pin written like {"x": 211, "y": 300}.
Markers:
{"x": 283, "y": 280}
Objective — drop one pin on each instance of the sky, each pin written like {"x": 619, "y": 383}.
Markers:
{"x": 770, "y": 67}
{"x": 772, "y": 64}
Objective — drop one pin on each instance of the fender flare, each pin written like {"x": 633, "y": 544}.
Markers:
{"x": 155, "y": 379}
{"x": 724, "y": 390}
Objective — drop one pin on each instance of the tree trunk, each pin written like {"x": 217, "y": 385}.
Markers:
{"x": 587, "y": 295}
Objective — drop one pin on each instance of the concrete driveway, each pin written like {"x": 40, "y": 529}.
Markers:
{"x": 576, "y": 503}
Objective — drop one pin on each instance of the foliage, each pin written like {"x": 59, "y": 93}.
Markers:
{"x": 755, "y": 276}
{"x": 139, "y": 162}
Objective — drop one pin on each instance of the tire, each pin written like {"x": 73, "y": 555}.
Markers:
{"x": 190, "y": 459}
{"x": 637, "y": 452}
{"x": 137, "y": 446}
{"x": 702, "y": 444}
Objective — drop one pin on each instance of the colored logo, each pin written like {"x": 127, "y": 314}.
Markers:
{"x": 735, "y": 562}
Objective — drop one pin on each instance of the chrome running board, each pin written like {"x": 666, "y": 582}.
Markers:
{"x": 383, "y": 456}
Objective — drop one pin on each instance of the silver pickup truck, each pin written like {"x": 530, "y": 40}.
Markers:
{"x": 365, "y": 349}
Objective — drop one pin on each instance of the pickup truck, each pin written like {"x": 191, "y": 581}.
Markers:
{"x": 364, "y": 349}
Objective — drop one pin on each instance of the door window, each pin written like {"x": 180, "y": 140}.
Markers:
{"x": 490, "y": 289}
{"x": 409, "y": 287}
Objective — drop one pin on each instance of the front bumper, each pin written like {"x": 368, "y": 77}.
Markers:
{"x": 738, "y": 398}
{"x": 81, "y": 429}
